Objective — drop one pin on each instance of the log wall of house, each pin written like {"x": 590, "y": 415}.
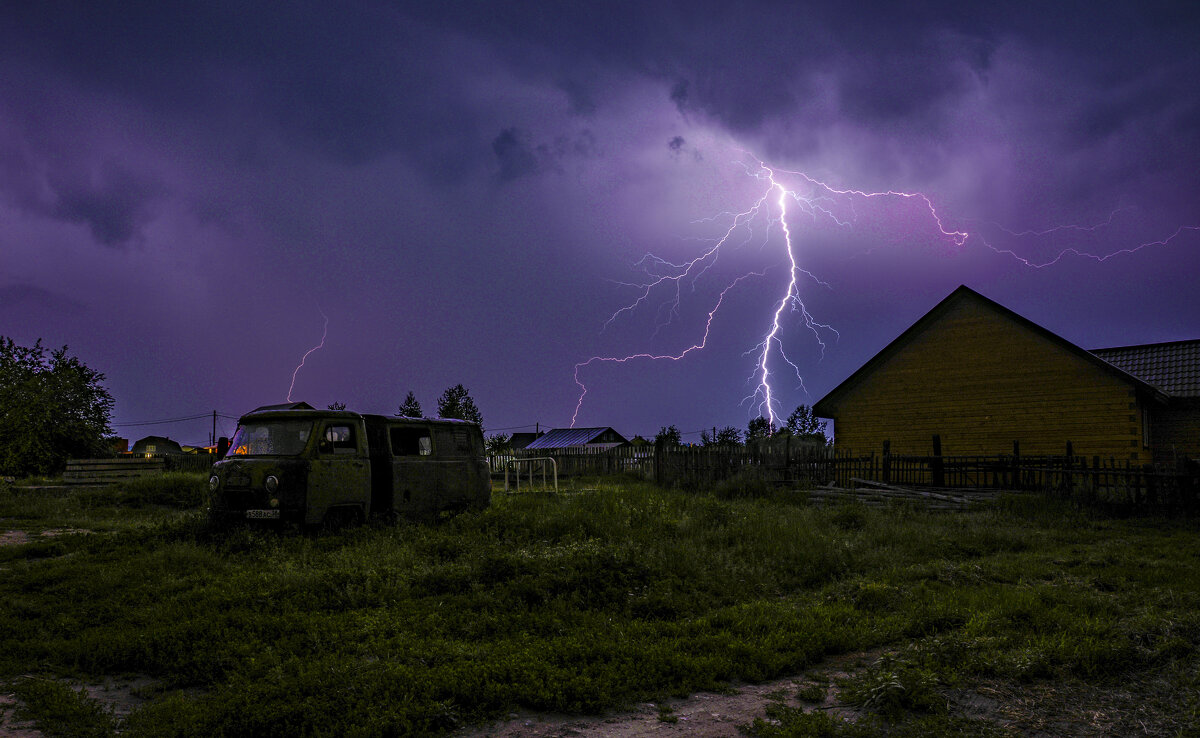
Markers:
{"x": 1175, "y": 430}
{"x": 982, "y": 381}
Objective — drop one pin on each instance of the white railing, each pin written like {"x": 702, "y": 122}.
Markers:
{"x": 515, "y": 465}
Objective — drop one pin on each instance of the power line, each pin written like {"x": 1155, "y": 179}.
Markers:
{"x": 163, "y": 421}
{"x": 511, "y": 427}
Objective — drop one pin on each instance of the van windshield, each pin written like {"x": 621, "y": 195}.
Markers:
{"x": 271, "y": 438}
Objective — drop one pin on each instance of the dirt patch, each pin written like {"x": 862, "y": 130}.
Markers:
{"x": 704, "y": 714}
{"x": 118, "y": 697}
{"x": 13, "y": 538}
{"x": 121, "y": 696}
{"x": 1153, "y": 705}
{"x": 20, "y": 537}
{"x": 9, "y": 725}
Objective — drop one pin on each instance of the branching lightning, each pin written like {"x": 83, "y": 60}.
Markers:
{"x": 818, "y": 199}
{"x": 321, "y": 345}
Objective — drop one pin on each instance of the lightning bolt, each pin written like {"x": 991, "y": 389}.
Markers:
{"x": 819, "y": 200}
{"x": 321, "y": 345}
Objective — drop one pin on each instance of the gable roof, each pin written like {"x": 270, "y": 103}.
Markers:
{"x": 568, "y": 437}
{"x": 521, "y": 440}
{"x": 283, "y": 406}
{"x": 1172, "y": 367}
{"x": 826, "y": 406}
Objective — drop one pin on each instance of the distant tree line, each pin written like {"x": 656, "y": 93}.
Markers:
{"x": 801, "y": 424}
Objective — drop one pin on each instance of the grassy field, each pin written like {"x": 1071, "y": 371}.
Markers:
{"x": 593, "y": 601}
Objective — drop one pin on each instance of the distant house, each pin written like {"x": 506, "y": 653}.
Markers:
{"x": 981, "y": 377}
{"x": 155, "y": 445}
{"x": 519, "y": 441}
{"x": 578, "y": 438}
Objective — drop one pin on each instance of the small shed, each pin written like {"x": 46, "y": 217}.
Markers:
{"x": 578, "y": 438}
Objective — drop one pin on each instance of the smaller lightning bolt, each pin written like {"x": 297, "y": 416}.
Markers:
{"x": 656, "y": 357}
{"x": 324, "y": 332}
{"x": 1086, "y": 255}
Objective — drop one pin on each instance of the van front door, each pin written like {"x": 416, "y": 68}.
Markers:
{"x": 340, "y": 476}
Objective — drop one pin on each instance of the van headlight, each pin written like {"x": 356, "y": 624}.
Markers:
{"x": 271, "y": 484}
{"x": 213, "y": 482}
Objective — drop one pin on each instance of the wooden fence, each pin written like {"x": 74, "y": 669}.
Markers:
{"x": 1095, "y": 480}
{"x": 122, "y": 468}
{"x": 110, "y": 471}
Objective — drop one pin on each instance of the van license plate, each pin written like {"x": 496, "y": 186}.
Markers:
{"x": 262, "y": 514}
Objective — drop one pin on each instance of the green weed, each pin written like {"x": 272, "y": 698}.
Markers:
{"x": 579, "y": 603}
{"x": 60, "y": 710}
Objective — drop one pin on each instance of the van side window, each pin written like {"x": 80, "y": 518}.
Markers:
{"x": 339, "y": 439}
{"x": 411, "y": 441}
{"x": 462, "y": 442}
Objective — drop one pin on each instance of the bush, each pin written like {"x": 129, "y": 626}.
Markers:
{"x": 744, "y": 486}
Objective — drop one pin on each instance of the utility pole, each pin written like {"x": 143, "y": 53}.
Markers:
{"x": 212, "y": 438}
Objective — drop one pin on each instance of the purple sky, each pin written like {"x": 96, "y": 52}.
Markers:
{"x": 465, "y": 192}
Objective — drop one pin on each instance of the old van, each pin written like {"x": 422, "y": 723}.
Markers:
{"x": 315, "y": 467}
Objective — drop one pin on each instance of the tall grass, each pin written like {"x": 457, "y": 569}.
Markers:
{"x": 582, "y": 603}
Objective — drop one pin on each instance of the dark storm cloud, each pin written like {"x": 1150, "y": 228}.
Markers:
{"x": 679, "y": 95}
{"x": 352, "y": 82}
{"x": 114, "y": 203}
{"x": 30, "y": 296}
{"x": 580, "y": 96}
{"x": 515, "y": 156}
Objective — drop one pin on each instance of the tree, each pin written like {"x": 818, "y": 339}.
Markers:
{"x": 759, "y": 429}
{"x": 668, "y": 436}
{"x": 335, "y": 405}
{"x": 456, "y": 402}
{"x": 497, "y": 443}
{"x": 727, "y": 436}
{"x": 52, "y": 408}
{"x": 411, "y": 408}
{"x": 803, "y": 424}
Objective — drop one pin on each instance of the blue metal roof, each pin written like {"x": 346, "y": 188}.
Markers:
{"x": 569, "y": 437}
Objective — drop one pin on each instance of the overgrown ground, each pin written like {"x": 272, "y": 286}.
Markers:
{"x": 1023, "y": 618}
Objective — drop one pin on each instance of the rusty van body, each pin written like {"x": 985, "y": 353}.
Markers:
{"x": 331, "y": 467}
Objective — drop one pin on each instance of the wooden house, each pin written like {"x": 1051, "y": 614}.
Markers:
{"x": 155, "y": 446}
{"x": 981, "y": 377}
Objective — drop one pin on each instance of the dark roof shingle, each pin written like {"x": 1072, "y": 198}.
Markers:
{"x": 1172, "y": 367}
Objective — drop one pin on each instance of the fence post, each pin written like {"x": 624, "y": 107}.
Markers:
{"x": 1067, "y": 480}
{"x": 939, "y": 474}
{"x": 1016, "y": 465}
{"x": 887, "y": 462}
